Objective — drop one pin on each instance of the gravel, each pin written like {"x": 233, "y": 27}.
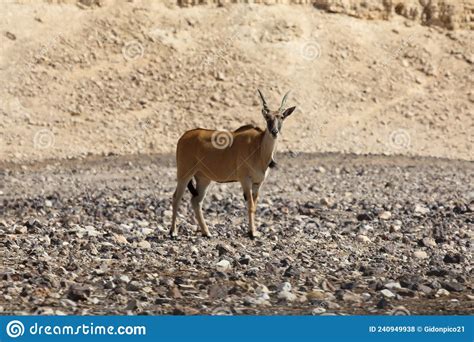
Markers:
{"x": 90, "y": 237}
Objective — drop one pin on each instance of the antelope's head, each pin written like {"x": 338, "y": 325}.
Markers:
{"x": 275, "y": 118}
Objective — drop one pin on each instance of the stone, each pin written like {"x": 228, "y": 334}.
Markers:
{"x": 217, "y": 291}
{"x": 421, "y": 209}
{"x": 316, "y": 295}
{"x": 363, "y": 239}
{"x": 387, "y": 293}
{"x": 223, "y": 266}
{"x": 393, "y": 285}
{"x": 442, "y": 292}
{"x": 351, "y": 297}
{"x": 132, "y": 305}
{"x": 121, "y": 239}
{"x": 287, "y": 296}
{"x": 144, "y": 244}
{"x": 385, "y": 215}
{"x": 420, "y": 254}
{"x": 429, "y": 242}
{"x": 286, "y": 286}
{"x": 453, "y": 258}
{"x": 174, "y": 292}
{"x": 453, "y": 286}
{"x": 78, "y": 292}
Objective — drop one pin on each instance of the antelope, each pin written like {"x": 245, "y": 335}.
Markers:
{"x": 243, "y": 155}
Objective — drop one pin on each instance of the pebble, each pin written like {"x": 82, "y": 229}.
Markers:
{"x": 393, "y": 285}
{"x": 385, "y": 215}
{"x": 144, "y": 244}
{"x": 387, "y": 293}
{"x": 453, "y": 258}
{"x": 223, "y": 266}
{"x": 420, "y": 254}
{"x": 421, "y": 209}
{"x": 286, "y": 286}
{"x": 286, "y": 295}
{"x": 442, "y": 292}
{"x": 363, "y": 239}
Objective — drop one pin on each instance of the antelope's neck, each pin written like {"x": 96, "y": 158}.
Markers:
{"x": 267, "y": 148}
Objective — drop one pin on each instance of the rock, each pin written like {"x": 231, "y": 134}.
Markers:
{"x": 385, "y": 215}
{"x": 217, "y": 291}
{"x": 291, "y": 272}
{"x": 453, "y": 286}
{"x": 393, "y": 285}
{"x": 134, "y": 286}
{"x": 245, "y": 260}
{"x": 387, "y": 293}
{"x": 132, "y": 305}
{"x": 124, "y": 278}
{"x": 364, "y": 217}
{"x": 174, "y": 292}
{"x": 287, "y": 296}
{"x": 286, "y": 286}
{"x": 351, "y": 297}
{"x": 453, "y": 258}
{"x": 363, "y": 239}
{"x": 420, "y": 254}
{"x": 429, "y": 242}
{"x": 316, "y": 295}
{"x": 78, "y": 292}
{"x": 421, "y": 209}
{"x": 261, "y": 289}
{"x": 223, "y": 266}
{"x": 21, "y": 230}
{"x": 121, "y": 239}
{"x": 442, "y": 292}
{"x": 425, "y": 289}
{"x": 225, "y": 249}
{"x": 144, "y": 244}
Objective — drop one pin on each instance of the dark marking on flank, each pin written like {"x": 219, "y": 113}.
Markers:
{"x": 192, "y": 189}
{"x": 272, "y": 164}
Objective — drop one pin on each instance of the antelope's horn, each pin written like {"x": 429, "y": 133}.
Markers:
{"x": 264, "y": 103}
{"x": 284, "y": 100}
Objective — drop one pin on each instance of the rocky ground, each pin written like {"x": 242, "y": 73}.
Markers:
{"x": 340, "y": 235}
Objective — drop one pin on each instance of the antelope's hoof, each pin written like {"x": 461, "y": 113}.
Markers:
{"x": 173, "y": 235}
{"x": 207, "y": 235}
{"x": 254, "y": 235}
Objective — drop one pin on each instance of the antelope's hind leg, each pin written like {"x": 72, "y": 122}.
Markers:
{"x": 202, "y": 183}
{"x": 178, "y": 194}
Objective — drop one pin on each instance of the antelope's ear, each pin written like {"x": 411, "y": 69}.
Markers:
{"x": 288, "y": 112}
{"x": 265, "y": 114}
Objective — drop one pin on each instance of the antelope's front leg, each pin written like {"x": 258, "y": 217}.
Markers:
{"x": 251, "y": 206}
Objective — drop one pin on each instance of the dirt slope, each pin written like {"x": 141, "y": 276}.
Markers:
{"x": 131, "y": 77}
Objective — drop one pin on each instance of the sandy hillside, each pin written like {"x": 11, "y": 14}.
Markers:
{"x": 130, "y": 77}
